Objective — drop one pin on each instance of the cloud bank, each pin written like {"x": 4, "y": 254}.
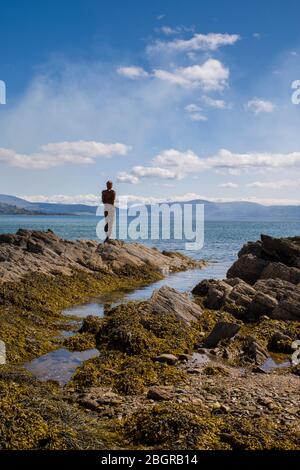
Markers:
{"x": 56, "y": 154}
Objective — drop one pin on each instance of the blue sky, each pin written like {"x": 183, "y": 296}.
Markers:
{"x": 169, "y": 99}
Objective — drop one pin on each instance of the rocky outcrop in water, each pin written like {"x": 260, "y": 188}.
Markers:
{"x": 265, "y": 280}
{"x": 30, "y": 251}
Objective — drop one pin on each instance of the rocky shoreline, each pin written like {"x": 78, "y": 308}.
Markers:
{"x": 177, "y": 371}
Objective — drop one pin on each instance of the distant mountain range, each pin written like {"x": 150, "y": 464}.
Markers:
{"x": 213, "y": 210}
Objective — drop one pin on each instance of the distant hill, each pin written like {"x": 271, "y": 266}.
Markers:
{"x": 217, "y": 211}
{"x": 8, "y": 209}
{"x": 48, "y": 208}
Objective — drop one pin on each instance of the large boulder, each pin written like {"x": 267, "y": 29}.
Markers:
{"x": 167, "y": 300}
{"x": 248, "y": 268}
{"x": 285, "y": 250}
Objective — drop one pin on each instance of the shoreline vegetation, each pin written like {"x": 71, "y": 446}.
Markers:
{"x": 176, "y": 371}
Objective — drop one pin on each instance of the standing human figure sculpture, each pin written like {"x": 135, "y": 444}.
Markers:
{"x": 108, "y": 199}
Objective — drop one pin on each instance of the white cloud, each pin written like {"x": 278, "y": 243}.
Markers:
{"x": 281, "y": 184}
{"x": 154, "y": 172}
{"x": 227, "y": 159}
{"x": 194, "y": 112}
{"x": 132, "y": 72}
{"x": 169, "y": 31}
{"x": 256, "y": 35}
{"x": 192, "y": 108}
{"x": 260, "y": 106}
{"x": 229, "y": 185}
{"x": 175, "y": 78}
{"x": 204, "y": 42}
{"x": 214, "y": 103}
{"x": 211, "y": 75}
{"x": 124, "y": 177}
{"x": 198, "y": 117}
{"x": 51, "y": 155}
{"x": 180, "y": 164}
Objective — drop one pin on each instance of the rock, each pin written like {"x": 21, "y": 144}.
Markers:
{"x": 253, "y": 248}
{"x": 184, "y": 357}
{"x": 281, "y": 271}
{"x": 256, "y": 351}
{"x": 215, "y": 292}
{"x": 259, "y": 370}
{"x": 169, "y": 301}
{"x": 159, "y": 393}
{"x": 264, "y": 281}
{"x": 222, "y": 330}
{"x": 264, "y": 318}
{"x": 248, "y": 268}
{"x": 91, "y": 324}
{"x": 32, "y": 251}
{"x": 225, "y": 408}
{"x": 118, "y": 254}
{"x": 34, "y": 247}
{"x": 261, "y": 304}
{"x": 287, "y": 296}
{"x": 295, "y": 345}
{"x": 2, "y": 353}
{"x": 193, "y": 371}
{"x": 233, "y": 295}
{"x": 88, "y": 404}
{"x": 99, "y": 396}
{"x": 280, "y": 343}
{"x": 216, "y": 406}
{"x": 285, "y": 250}
{"x": 167, "y": 359}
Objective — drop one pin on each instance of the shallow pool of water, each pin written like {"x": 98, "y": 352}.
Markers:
{"x": 182, "y": 281}
{"x": 59, "y": 365}
{"x": 271, "y": 363}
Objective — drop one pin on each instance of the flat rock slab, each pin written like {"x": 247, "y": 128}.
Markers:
{"x": 167, "y": 300}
